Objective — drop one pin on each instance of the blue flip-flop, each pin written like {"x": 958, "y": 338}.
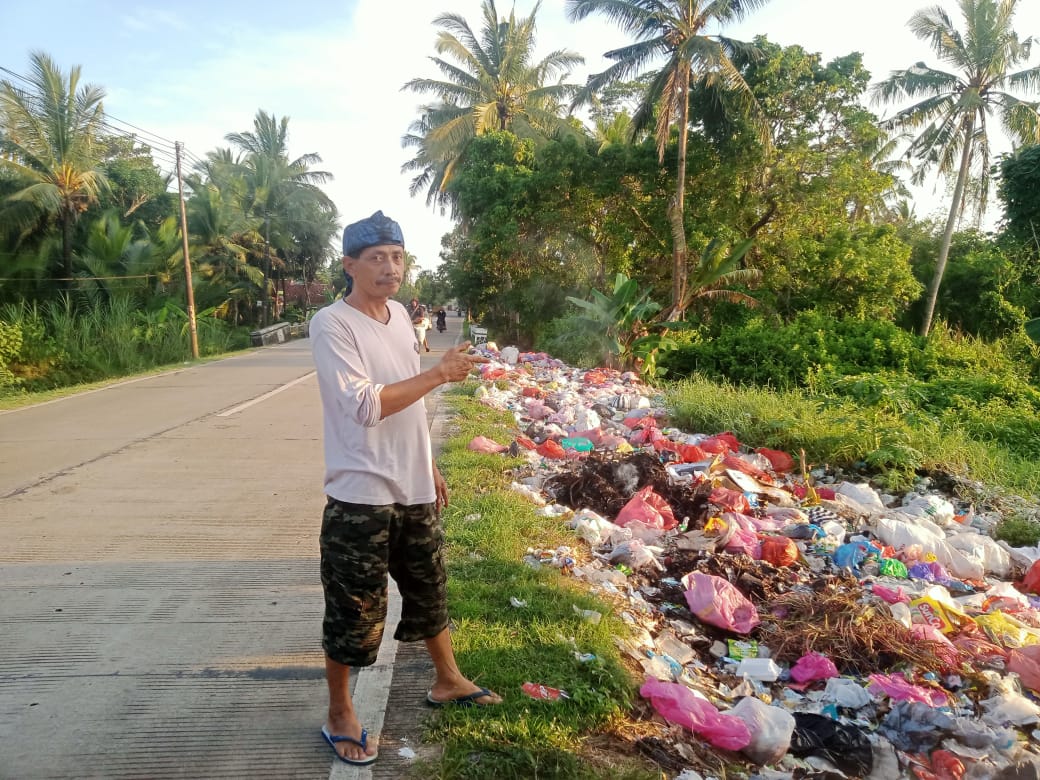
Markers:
{"x": 362, "y": 743}
{"x": 469, "y": 700}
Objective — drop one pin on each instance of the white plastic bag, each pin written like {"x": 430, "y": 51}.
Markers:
{"x": 591, "y": 527}
{"x": 905, "y": 531}
{"x": 983, "y": 549}
{"x": 863, "y": 496}
{"x": 846, "y": 693}
{"x": 771, "y": 729}
{"x": 929, "y": 507}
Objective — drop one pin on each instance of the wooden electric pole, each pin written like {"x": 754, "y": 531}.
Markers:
{"x": 187, "y": 259}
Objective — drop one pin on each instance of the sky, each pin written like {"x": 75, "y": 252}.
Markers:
{"x": 195, "y": 71}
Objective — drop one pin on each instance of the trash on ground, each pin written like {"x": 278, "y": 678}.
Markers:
{"x": 792, "y": 616}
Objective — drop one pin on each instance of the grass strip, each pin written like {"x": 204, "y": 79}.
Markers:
{"x": 489, "y": 529}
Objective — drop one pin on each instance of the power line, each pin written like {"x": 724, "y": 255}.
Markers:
{"x": 157, "y": 144}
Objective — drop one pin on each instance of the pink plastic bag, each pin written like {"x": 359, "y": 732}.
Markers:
{"x": 889, "y": 595}
{"x": 813, "y": 666}
{"x": 898, "y": 688}
{"x": 744, "y": 542}
{"x": 947, "y": 652}
{"x": 484, "y": 444}
{"x": 718, "y": 603}
{"x": 649, "y": 509}
{"x": 1025, "y": 662}
{"x": 678, "y": 704}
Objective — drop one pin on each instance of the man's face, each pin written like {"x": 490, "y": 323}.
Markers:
{"x": 377, "y": 270}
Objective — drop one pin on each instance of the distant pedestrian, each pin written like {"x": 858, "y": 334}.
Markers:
{"x": 420, "y": 322}
{"x": 384, "y": 490}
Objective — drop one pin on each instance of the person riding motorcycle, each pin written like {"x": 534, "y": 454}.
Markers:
{"x": 442, "y": 323}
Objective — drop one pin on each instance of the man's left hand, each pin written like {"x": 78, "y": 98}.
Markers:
{"x": 441, "y": 488}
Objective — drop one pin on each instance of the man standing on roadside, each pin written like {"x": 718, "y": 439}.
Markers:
{"x": 384, "y": 489}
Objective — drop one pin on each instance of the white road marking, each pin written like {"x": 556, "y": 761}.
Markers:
{"x": 265, "y": 396}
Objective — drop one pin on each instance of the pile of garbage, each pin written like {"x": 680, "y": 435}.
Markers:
{"x": 799, "y": 624}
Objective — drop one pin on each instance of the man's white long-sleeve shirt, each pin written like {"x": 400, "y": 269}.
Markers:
{"x": 368, "y": 460}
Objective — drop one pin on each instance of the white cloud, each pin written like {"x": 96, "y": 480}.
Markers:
{"x": 149, "y": 19}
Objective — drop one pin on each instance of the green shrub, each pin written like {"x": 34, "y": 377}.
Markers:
{"x": 1018, "y": 532}
{"x": 10, "y": 346}
{"x": 786, "y": 356}
{"x": 568, "y": 339}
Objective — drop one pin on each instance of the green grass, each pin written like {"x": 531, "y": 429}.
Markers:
{"x": 503, "y": 647}
{"x": 59, "y": 345}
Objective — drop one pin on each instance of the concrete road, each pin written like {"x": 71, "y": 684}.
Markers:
{"x": 159, "y": 594}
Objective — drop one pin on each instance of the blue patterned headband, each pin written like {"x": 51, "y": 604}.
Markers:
{"x": 372, "y": 231}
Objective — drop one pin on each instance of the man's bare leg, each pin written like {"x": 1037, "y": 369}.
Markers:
{"x": 342, "y": 720}
{"x": 450, "y": 682}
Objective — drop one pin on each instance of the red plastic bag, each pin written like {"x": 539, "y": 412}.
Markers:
{"x": 717, "y": 444}
{"x": 667, "y": 445}
{"x": 739, "y": 464}
{"x": 645, "y": 435}
{"x": 691, "y": 453}
{"x": 648, "y": 508}
{"x": 544, "y": 692}
{"x": 812, "y": 667}
{"x": 780, "y": 461}
{"x": 779, "y": 550}
{"x": 551, "y": 449}
{"x": 716, "y": 602}
{"x": 678, "y": 704}
{"x": 1031, "y": 582}
{"x": 730, "y": 500}
{"x": 526, "y": 443}
{"x": 595, "y": 377}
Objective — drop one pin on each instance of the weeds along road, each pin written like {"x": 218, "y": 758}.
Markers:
{"x": 159, "y": 590}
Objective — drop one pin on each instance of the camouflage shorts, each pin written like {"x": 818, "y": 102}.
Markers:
{"x": 360, "y": 545}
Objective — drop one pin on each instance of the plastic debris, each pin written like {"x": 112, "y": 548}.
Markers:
{"x": 885, "y": 625}
{"x": 543, "y": 692}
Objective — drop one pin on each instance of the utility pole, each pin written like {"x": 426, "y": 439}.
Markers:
{"x": 267, "y": 268}
{"x": 187, "y": 260}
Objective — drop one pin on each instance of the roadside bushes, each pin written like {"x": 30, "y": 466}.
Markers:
{"x": 787, "y": 356}
{"x": 10, "y": 346}
{"x": 50, "y": 345}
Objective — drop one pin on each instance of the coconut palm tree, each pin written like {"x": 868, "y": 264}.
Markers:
{"x": 676, "y": 31}
{"x": 490, "y": 83}
{"x": 950, "y": 122}
{"x": 276, "y": 185}
{"x": 50, "y": 140}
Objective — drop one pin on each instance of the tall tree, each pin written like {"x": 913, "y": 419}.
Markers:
{"x": 491, "y": 83}
{"x": 673, "y": 30}
{"x": 949, "y": 123}
{"x": 276, "y": 184}
{"x": 50, "y": 139}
